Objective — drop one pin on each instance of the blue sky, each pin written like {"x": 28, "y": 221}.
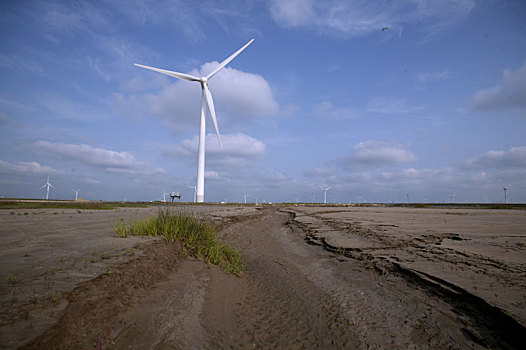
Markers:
{"x": 432, "y": 107}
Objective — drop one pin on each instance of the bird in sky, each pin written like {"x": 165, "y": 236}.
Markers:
{"x": 385, "y": 28}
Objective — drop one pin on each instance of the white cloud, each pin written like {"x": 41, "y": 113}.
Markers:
{"x": 425, "y": 174}
{"x": 238, "y": 97}
{"x": 292, "y": 13}
{"x": 515, "y": 157}
{"x": 320, "y": 172}
{"x": 238, "y": 149}
{"x": 62, "y": 107}
{"x": 180, "y": 14}
{"x": 92, "y": 181}
{"x": 26, "y": 168}
{"x": 354, "y": 17}
{"x": 509, "y": 94}
{"x": 111, "y": 161}
{"x": 327, "y": 110}
{"x": 380, "y": 105}
{"x": 211, "y": 175}
{"x": 62, "y": 19}
{"x": 391, "y": 106}
{"x": 21, "y": 63}
{"x": 377, "y": 153}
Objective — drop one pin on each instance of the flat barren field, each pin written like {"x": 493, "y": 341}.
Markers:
{"x": 316, "y": 277}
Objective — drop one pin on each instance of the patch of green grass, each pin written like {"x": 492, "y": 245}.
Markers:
{"x": 128, "y": 252}
{"x": 197, "y": 237}
{"x": 12, "y": 279}
{"x": 520, "y": 244}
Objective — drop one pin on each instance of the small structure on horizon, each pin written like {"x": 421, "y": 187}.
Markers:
{"x": 173, "y": 195}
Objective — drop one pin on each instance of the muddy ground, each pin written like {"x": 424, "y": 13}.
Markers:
{"x": 317, "y": 277}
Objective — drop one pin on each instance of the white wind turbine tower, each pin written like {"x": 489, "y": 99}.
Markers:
{"x": 76, "y": 193}
{"x": 206, "y": 98}
{"x": 325, "y": 189}
{"x": 48, "y": 185}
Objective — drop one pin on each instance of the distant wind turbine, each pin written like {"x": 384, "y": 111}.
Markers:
{"x": 76, "y": 193}
{"x": 505, "y": 194}
{"x": 206, "y": 99}
{"x": 325, "y": 189}
{"x": 195, "y": 192}
{"x": 48, "y": 185}
{"x": 164, "y": 195}
{"x": 452, "y": 198}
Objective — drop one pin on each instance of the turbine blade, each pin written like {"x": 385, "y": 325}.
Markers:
{"x": 50, "y": 185}
{"x": 42, "y": 187}
{"x": 170, "y": 73}
{"x": 210, "y": 103}
{"x": 227, "y": 61}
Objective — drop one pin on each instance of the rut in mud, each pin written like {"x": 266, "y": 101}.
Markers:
{"x": 371, "y": 303}
{"x": 293, "y": 295}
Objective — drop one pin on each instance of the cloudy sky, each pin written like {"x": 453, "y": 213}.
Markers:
{"x": 431, "y": 109}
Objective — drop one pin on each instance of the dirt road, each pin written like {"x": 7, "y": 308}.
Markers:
{"x": 294, "y": 295}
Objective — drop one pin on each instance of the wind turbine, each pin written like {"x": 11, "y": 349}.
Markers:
{"x": 164, "y": 195}
{"x": 195, "y": 192}
{"x": 76, "y": 193}
{"x": 206, "y": 99}
{"x": 48, "y": 185}
{"x": 505, "y": 194}
{"x": 452, "y": 198}
{"x": 325, "y": 189}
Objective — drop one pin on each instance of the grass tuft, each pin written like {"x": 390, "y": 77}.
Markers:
{"x": 197, "y": 237}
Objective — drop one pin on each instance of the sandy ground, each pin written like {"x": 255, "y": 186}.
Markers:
{"x": 318, "y": 277}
